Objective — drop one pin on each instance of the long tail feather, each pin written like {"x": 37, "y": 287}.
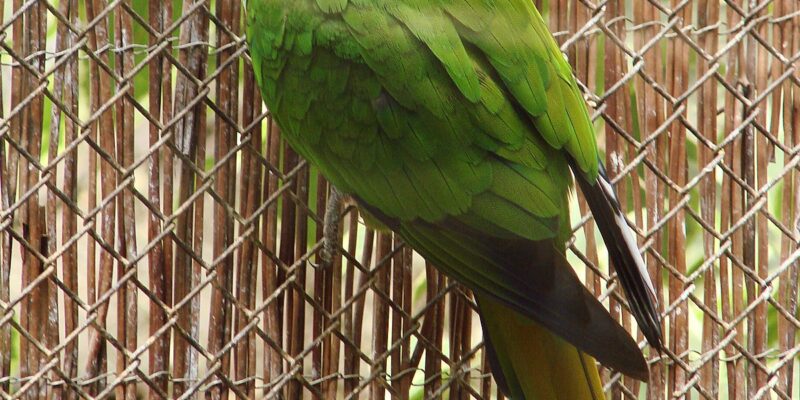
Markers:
{"x": 531, "y": 363}
{"x": 624, "y": 254}
{"x": 534, "y": 279}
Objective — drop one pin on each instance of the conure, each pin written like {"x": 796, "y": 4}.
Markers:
{"x": 458, "y": 124}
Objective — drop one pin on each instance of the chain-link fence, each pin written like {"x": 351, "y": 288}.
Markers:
{"x": 160, "y": 240}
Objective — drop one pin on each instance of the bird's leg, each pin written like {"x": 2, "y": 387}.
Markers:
{"x": 330, "y": 228}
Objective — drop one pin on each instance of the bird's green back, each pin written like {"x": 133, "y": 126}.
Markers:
{"x": 421, "y": 108}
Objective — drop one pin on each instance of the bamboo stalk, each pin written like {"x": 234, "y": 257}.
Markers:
{"x": 49, "y": 301}
{"x": 245, "y": 263}
{"x": 348, "y": 321}
{"x": 575, "y": 18}
{"x": 64, "y": 85}
{"x": 273, "y": 364}
{"x": 91, "y": 245}
{"x": 6, "y": 196}
{"x": 220, "y": 306}
{"x": 228, "y": 14}
{"x": 784, "y": 32}
{"x": 433, "y": 363}
{"x": 69, "y": 220}
{"x": 562, "y": 18}
{"x": 615, "y": 102}
{"x": 455, "y": 327}
{"x": 730, "y": 275}
{"x": 298, "y": 304}
{"x": 251, "y": 101}
{"x": 248, "y": 176}
{"x": 678, "y": 81}
{"x": 158, "y": 357}
{"x": 405, "y": 354}
{"x": 287, "y": 255}
{"x": 466, "y": 339}
{"x": 40, "y": 298}
{"x": 737, "y": 213}
{"x": 486, "y": 382}
{"x": 321, "y": 286}
{"x": 197, "y": 231}
{"x": 20, "y": 84}
{"x": 554, "y": 13}
{"x": 187, "y": 135}
{"x": 789, "y": 283}
{"x": 754, "y": 169}
{"x": 27, "y": 309}
{"x": 708, "y": 15}
{"x": 168, "y": 98}
{"x": 198, "y": 240}
{"x": 380, "y": 313}
{"x": 763, "y": 153}
{"x": 655, "y": 117}
{"x": 396, "y": 329}
{"x": 360, "y": 304}
{"x": 127, "y": 298}
{"x": 725, "y": 222}
{"x": 333, "y": 304}
{"x": 107, "y": 143}
{"x": 751, "y": 227}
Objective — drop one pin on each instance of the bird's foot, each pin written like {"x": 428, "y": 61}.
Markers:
{"x": 330, "y": 229}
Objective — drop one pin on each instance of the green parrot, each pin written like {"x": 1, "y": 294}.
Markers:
{"x": 458, "y": 125}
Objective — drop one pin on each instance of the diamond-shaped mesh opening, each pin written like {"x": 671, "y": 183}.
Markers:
{"x": 160, "y": 240}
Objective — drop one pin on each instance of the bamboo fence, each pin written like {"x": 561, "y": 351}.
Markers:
{"x": 159, "y": 240}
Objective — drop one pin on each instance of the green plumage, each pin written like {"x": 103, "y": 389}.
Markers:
{"x": 452, "y": 121}
{"x": 426, "y": 94}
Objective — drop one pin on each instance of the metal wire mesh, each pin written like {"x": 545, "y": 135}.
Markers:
{"x": 160, "y": 240}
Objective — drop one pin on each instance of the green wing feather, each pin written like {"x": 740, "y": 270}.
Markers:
{"x": 455, "y": 123}
{"x": 416, "y": 107}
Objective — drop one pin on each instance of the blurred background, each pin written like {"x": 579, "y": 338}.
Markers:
{"x": 159, "y": 240}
